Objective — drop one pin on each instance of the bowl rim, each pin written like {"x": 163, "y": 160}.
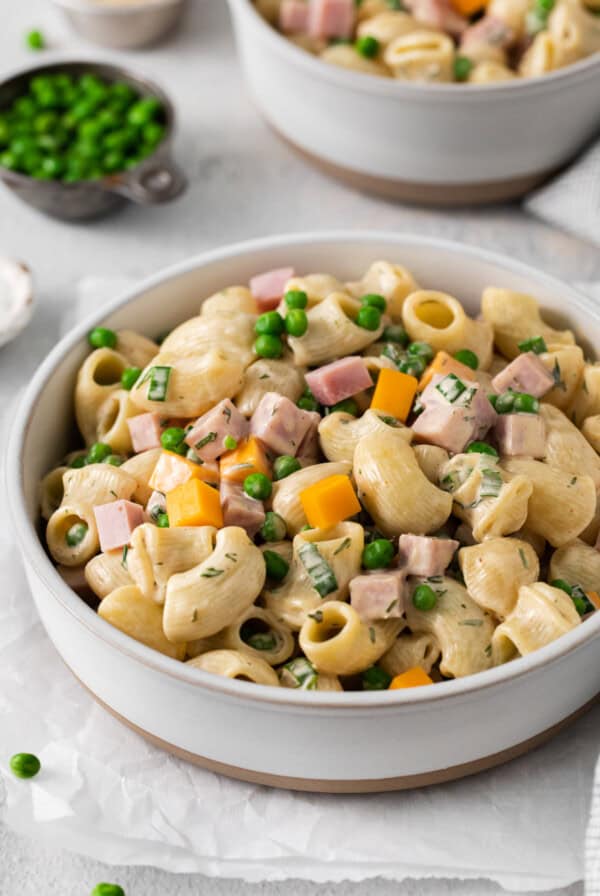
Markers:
{"x": 98, "y": 8}
{"x": 124, "y": 72}
{"x": 392, "y": 88}
{"x": 35, "y": 557}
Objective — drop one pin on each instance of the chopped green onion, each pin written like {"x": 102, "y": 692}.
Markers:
{"x": 491, "y": 484}
{"x": 159, "y": 383}
{"x": 468, "y": 358}
{"x": 262, "y": 641}
{"x": 319, "y": 571}
{"x": 299, "y": 673}
{"x": 451, "y": 387}
{"x": 482, "y": 448}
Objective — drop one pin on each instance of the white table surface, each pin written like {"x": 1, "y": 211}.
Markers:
{"x": 243, "y": 183}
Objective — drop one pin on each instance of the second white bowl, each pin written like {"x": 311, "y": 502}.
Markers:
{"x": 441, "y": 144}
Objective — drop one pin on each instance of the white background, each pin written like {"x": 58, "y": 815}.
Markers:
{"x": 243, "y": 183}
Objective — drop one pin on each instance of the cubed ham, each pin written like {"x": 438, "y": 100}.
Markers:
{"x": 490, "y": 31}
{"x": 279, "y": 424}
{"x": 157, "y": 503}
{"x": 379, "y": 595}
{"x": 438, "y": 14}
{"x": 331, "y": 18}
{"x": 309, "y": 449}
{"x": 268, "y": 288}
{"x": 453, "y": 424}
{"x": 145, "y": 430}
{"x": 521, "y": 434}
{"x": 420, "y": 555}
{"x": 293, "y": 16}
{"x": 339, "y": 380}
{"x": 116, "y": 521}
{"x": 525, "y": 374}
{"x": 208, "y": 434}
{"x": 239, "y": 509}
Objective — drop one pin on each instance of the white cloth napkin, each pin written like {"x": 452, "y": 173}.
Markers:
{"x": 106, "y": 793}
{"x": 571, "y": 201}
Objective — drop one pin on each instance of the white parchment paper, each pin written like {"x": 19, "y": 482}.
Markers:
{"x": 107, "y": 794}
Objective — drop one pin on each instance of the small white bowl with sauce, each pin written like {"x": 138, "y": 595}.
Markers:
{"x": 122, "y": 24}
{"x": 16, "y": 298}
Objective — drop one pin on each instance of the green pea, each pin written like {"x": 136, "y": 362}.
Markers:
{"x": 564, "y": 586}
{"x": 143, "y": 111}
{"x": 374, "y": 300}
{"x": 258, "y": 486}
{"x": 31, "y": 163}
{"x": 375, "y": 679}
{"x": 369, "y": 318}
{"x": 505, "y": 402}
{"x": 307, "y": 401}
{"x": 230, "y": 443}
{"x": 4, "y": 132}
{"x": 115, "y": 460}
{"x": 462, "y": 68}
{"x": 129, "y": 377}
{"x": 25, "y": 107}
{"x": 35, "y": 40}
{"x": 413, "y": 366}
{"x": 78, "y": 462}
{"x": 493, "y": 400}
{"x": 395, "y": 333}
{"x": 107, "y": 890}
{"x": 25, "y": 765}
{"x": 153, "y": 133}
{"x": 9, "y": 160}
{"x": 270, "y": 323}
{"x": 76, "y": 534}
{"x": 421, "y": 350}
{"x": 118, "y": 141}
{"x": 101, "y": 337}
{"x": 172, "y": 440}
{"x": 526, "y": 404}
{"x": 367, "y": 46}
{"x": 122, "y": 91}
{"x": 162, "y": 521}
{"x": 296, "y": 298}
{"x": 52, "y": 167}
{"x": 113, "y": 161}
{"x": 285, "y": 466}
{"x": 268, "y": 346}
{"x": 424, "y": 598}
{"x": 467, "y": 357}
{"x": 274, "y": 527}
{"x": 482, "y": 448}
{"x": 296, "y": 322}
{"x": 98, "y": 452}
{"x": 347, "y": 406}
{"x": 378, "y": 554}
{"x": 22, "y": 145}
{"x": 277, "y": 566}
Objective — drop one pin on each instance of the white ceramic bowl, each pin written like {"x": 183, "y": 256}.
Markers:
{"x": 447, "y": 143}
{"x": 308, "y": 740}
{"x": 126, "y": 25}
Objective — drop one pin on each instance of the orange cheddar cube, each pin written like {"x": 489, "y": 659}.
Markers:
{"x": 172, "y": 470}
{"x": 194, "y": 503}
{"x": 249, "y": 457}
{"x": 443, "y": 363}
{"x": 468, "y": 8}
{"x": 412, "y": 678}
{"x": 594, "y": 598}
{"x": 328, "y": 502}
{"x": 394, "y": 393}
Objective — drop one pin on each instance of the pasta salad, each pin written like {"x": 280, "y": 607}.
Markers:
{"x": 336, "y": 486}
{"x": 473, "y": 41}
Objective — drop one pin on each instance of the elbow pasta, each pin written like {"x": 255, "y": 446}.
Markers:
{"x": 439, "y": 42}
{"x": 294, "y": 536}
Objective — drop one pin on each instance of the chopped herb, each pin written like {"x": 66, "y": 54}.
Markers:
{"x": 211, "y": 572}
{"x": 488, "y": 650}
{"x": 317, "y": 616}
{"x": 389, "y": 421}
{"x": 210, "y": 437}
{"x": 345, "y": 544}
{"x": 227, "y": 413}
{"x": 159, "y": 383}
{"x": 319, "y": 571}
{"x": 449, "y": 483}
{"x": 391, "y": 606}
{"x": 232, "y": 557}
{"x": 556, "y": 374}
{"x": 265, "y": 376}
{"x": 114, "y": 494}
{"x": 573, "y": 480}
{"x": 124, "y": 556}
{"x": 372, "y": 635}
{"x": 523, "y": 558}
{"x": 436, "y": 579}
{"x": 195, "y": 616}
{"x": 473, "y": 622}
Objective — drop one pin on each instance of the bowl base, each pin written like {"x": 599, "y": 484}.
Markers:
{"x": 448, "y": 195}
{"x": 363, "y": 785}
